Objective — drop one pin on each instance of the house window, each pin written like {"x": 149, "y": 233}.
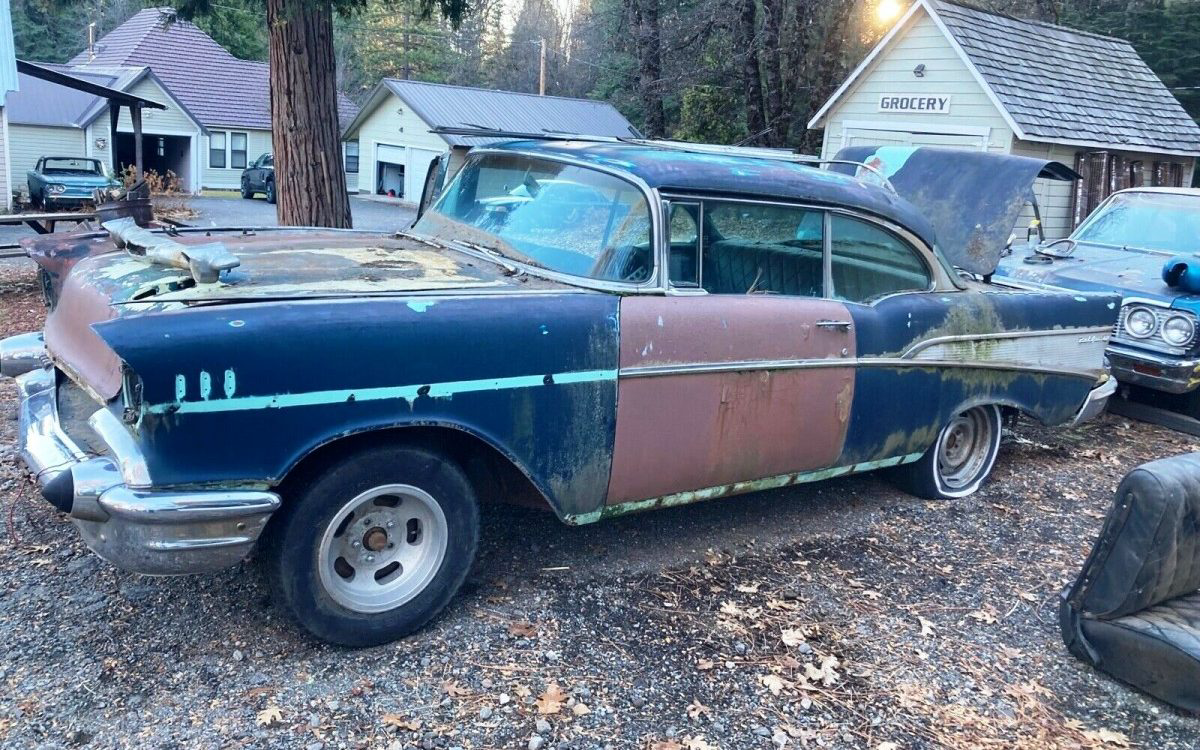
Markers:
{"x": 351, "y": 150}
{"x": 216, "y": 149}
{"x": 237, "y": 150}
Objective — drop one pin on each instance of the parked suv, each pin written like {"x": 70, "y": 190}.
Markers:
{"x": 259, "y": 177}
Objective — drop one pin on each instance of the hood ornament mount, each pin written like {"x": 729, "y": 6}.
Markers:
{"x": 204, "y": 262}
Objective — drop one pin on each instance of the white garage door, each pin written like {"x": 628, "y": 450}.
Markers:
{"x": 882, "y": 137}
{"x": 402, "y": 169}
{"x": 418, "y": 165}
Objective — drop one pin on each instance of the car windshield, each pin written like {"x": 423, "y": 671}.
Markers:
{"x": 1152, "y": 221}
{"x": 546, "y": 213}
{"x": 80, "y": 167}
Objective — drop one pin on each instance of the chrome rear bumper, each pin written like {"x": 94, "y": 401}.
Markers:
{"x": 110, "y": 500}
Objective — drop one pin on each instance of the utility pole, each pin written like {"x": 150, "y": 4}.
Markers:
{"x": 542, "y": 68}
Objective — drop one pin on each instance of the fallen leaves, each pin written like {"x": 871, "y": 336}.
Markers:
{"x": 793, "y": 637}
{"x": 551, "y": 701}
{"x": 269, "y": 716}
{"x": 522, "y": 629}
{"x": 1108, "y": 737}
{"x": 696, "y": 710}
{"x": 397, "y": 722}
{"x": 454, "y": 689}
{"x": 927, "y": 629}
{"x": 824, "y": 673}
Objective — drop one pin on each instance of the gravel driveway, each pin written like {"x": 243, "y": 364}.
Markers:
{"x": 842, "y": 614}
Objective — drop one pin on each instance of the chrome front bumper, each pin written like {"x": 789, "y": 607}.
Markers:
{"x": 1096, "y": 401}
{"x": 110, "y": 499}
{"x": 1160, "y": 372}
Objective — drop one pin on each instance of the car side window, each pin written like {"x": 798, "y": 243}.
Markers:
{"x": 869, "y": 262}
{"x": 761, "y": 248}
{"x": 684, "y": 255}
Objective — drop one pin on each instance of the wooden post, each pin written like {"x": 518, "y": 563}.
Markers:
{"x": 135, "y": 114}
{"x": 542, "y": 69}
{"x": 114, "y": 116}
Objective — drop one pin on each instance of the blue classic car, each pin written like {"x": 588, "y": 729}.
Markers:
{"x": 606, "y": 327}
{"x": 67, "y": 180}
{"x": 1139, "y": 242}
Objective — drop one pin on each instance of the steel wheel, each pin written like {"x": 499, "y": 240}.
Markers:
{"x": 382, "y": 548}
{"x": 966, "y": 449}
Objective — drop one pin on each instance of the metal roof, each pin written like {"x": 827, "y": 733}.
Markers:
{"x": 443, "y": 105}
{"x": 216, "y": 88}
{"x": 1070, "y": 85}
{"x": 59, "y": 96}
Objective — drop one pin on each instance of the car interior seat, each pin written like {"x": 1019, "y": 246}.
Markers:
{"x": 1134, "y": 610}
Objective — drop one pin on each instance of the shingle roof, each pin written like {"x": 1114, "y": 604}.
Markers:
{"x": 442, "y": 105}
{"x": 1063, "y": 84}
{"x": 40, "y": 102}
{"x": 215, "y": 87}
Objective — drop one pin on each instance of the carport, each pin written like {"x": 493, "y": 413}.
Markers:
{"x": 116, "y": 99}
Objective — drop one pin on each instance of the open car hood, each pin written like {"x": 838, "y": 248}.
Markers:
{"x": 972, "y": 198}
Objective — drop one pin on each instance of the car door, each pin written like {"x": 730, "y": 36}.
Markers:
{"x": 743, "y": 372}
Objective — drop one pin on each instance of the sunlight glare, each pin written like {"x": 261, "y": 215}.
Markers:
{"x": 887, "y": 10}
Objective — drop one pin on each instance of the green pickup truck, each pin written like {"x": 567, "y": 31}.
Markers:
{"x": 67, "y": 180}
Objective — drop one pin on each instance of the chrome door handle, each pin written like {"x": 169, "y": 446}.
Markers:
{"x": 843, "y": 324}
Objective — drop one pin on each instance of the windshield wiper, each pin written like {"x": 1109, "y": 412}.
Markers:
{"x": 460, "y": 245}
{"x": 497, "y": 256}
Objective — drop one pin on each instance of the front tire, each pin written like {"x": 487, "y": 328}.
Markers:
{"x": 246, "y": 191}
{"x": 375, "y": 547}
{"x": 960, "y": 460}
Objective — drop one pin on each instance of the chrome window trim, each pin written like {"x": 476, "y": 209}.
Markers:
{"x": 940, "y": 279}
{"x": 657, "y": 283}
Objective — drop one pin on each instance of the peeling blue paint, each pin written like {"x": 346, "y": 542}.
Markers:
{"x": 421, "y": 305}
{"x": 401, "y": 392}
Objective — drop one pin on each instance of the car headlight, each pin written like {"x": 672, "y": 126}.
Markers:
{"x": 1177, "y": 330}
{"x": 56, "y": 189}
{"x": 1139, "y": 323}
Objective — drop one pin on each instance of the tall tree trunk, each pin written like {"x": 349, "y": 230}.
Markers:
{"x": 647, "y": 36}
{"x": 309, "y": 181}
{"x": 778, "y": 118}
{"x": 751, "y": 70}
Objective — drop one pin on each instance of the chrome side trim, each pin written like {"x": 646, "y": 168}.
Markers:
{"x": 737, "y": 488}
{"x": 922, "y": 345}
{"x": 124, "y": 448}
{"x": 804, "y": 364}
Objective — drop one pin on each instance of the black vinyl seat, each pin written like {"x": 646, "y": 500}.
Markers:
{"x": 742, "y": 267}
{"x": 1134, "y": 610}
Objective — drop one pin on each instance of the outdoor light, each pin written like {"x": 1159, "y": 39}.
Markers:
{"x": 1139, "y": 323}
{"x": 1178, "y": 330}
{"x": 919, "y": 71}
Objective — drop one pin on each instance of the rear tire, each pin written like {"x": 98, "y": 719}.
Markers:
{"x": 271, "y": 191}
{"x": 375, "y": 547}
{"x": 959, "y": 461}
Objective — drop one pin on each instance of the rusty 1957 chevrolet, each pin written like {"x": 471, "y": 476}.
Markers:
{"x": 611, "y": 326}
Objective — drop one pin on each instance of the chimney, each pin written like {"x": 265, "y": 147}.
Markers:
{"x": 91, "y": 48}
